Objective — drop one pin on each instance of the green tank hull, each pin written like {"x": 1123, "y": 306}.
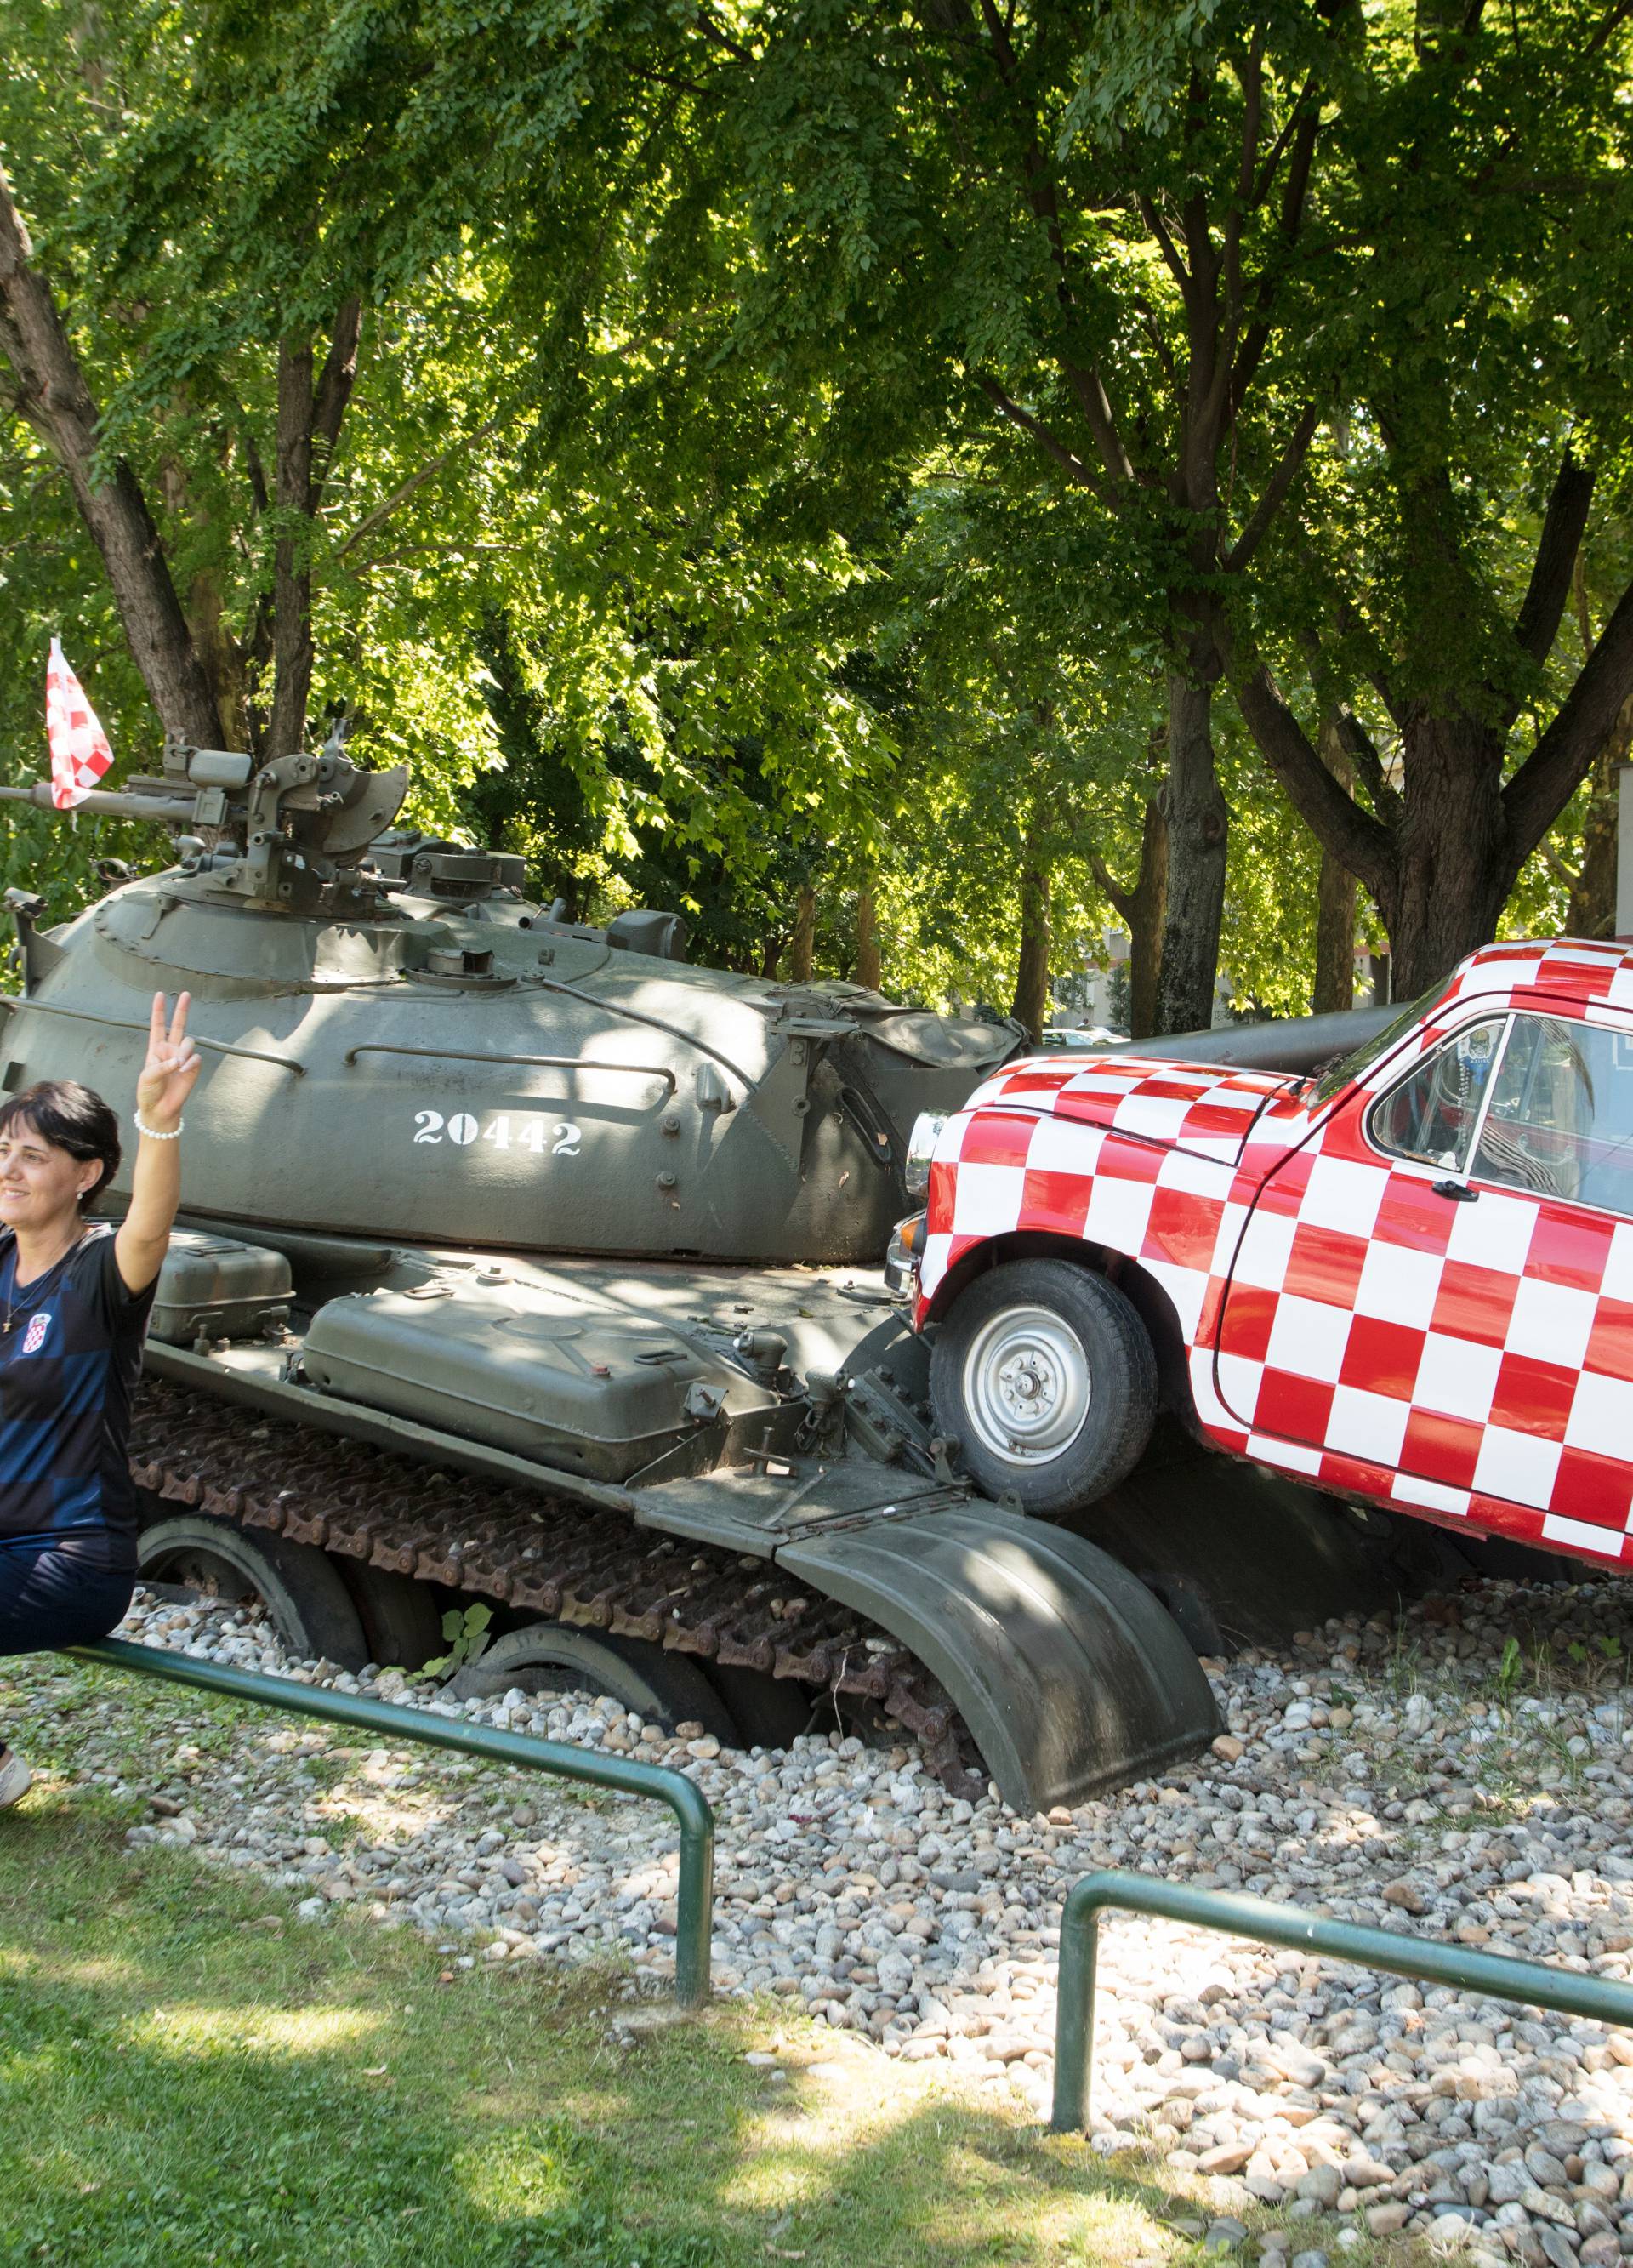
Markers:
{"x": 524, "y": 1262}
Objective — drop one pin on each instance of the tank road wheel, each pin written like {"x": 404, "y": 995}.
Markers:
{"x": 665, "y": 1689}
{"x": 1047, "y": 1376}
{"x": 307, "y": 1601}
{"x": 402, "y": 1621}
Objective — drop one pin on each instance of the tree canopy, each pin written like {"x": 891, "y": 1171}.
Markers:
{"x": 915, "y": 489}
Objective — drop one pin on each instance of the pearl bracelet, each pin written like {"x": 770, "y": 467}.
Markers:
{"x": 153, "y": 1132}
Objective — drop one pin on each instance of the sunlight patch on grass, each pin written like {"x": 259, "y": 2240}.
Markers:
{"x": 534, "y": 2171}
{"x": 810, "y": 2124}
{"x": 101, "y": 1972}
{"x": 1104, "y": 2229}
{"x": 389, "y": 1819}
{"x": 195, "y": 2029}
{"x": 1051, "y": 2224}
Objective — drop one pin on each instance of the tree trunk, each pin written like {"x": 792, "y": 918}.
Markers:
{"x": 1335, "y": 900}
{"x": 309, "y": 423}
{"x": 1451, "y": 873}
{"x": 57, "y": 402}
{"x": 291, "y": 558}
{"x": 1592, "y": 909}
{"x": 867, "y": 939}
{"x": 1334, "y": 938}
{"x": 1141, "y": 910}
{"x": 1032, "y": 973}
{"x": 1198, "y": 827}
{"x": 223, "y": 664}
{"x": 219, "y": 654}
{"x": 803, "y": 949}
{"x": 1144, "y": 913}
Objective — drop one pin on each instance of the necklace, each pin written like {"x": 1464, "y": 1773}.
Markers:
{"x": 36, "y": 1289}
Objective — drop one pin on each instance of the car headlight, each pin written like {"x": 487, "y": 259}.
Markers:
{"x": 921, "y": 1149}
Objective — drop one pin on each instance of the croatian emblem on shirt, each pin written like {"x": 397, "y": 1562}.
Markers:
{"x": 34, "y": 1337}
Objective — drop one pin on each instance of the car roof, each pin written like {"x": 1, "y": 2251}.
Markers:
{"x": 1586, "y": 971}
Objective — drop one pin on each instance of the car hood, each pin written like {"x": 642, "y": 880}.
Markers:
{"x": 1208, "y": 1109}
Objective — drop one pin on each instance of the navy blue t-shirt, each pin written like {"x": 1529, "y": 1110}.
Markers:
{"x": 69, "y": 1365}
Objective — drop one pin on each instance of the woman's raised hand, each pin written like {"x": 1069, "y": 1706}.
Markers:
{"x": 165, "y": 1079}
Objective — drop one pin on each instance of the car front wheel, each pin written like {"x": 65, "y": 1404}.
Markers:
{"x": 1047, "y": 1376}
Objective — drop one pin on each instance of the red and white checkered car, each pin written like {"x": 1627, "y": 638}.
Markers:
{"x": 1408, "y": 1281}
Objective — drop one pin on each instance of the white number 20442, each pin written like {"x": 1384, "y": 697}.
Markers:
{"x": 523, "y": 1133}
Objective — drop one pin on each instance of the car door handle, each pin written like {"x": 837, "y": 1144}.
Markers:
{"x": 1458, "y": 1192}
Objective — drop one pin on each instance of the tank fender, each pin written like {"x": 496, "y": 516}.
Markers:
{"x": 1069, "y": 1674}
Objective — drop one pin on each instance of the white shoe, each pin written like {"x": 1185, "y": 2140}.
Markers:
{"x": 15, "y": 1778}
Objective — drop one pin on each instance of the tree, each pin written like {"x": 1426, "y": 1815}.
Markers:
{"x": 53, "y": 396}
{"x": 242, "y": 216}
{"x": 1480, "y": 414}
{"x": 1591, "y": 909}
{"x": 1006, "y": 796}
{"x": 1090, "y": 225}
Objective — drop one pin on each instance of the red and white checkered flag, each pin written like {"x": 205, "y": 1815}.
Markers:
{"x": 79, "y": 750}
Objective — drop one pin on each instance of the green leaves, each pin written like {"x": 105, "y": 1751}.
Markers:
{"x": 790, "y": 439}
{"x": 465, "y": 1630}
{"x": 1133, "y": 69}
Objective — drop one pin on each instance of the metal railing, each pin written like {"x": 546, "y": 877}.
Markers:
{"x": 16, "y": 1003}
{"x": 1498, "y": 1977}
{"x": 388, "y": 1722}
{"x": 542, "y": 1062}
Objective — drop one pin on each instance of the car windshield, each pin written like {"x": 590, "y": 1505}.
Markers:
{"x": 1350, "y": 1067}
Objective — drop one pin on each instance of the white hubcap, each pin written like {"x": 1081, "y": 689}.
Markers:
{"x": 1027, "y": 1385}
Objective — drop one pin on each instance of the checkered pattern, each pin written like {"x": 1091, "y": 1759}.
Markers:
{"x": 1471, "y": 1363}
{"x": 1568, "y": 969}
{"x": 1197, "y": 1107}
{"x": 79, "y": 750}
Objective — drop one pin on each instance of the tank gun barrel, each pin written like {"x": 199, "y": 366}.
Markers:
{"x": 192, "y": 793}
{"x": 166, "y": 811}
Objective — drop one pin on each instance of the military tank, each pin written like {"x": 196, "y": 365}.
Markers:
{"x": 522, "y": 1262}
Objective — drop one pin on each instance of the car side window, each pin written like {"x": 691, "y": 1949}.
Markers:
{"x": 1432, "y": 1113}
{"x": 1560, "y": 1121}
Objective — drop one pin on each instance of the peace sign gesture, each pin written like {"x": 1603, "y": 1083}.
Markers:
{"x": 165, "y": 1079}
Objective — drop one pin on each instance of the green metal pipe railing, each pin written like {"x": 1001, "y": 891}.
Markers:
{"x": 1498, "y": 1977}
{"x": 387, "y": 1722}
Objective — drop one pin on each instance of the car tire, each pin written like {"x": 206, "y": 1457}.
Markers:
{"x": 1047, "y": 1377}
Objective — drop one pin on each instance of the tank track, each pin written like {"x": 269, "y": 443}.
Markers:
{"x": 541, "y": 1554}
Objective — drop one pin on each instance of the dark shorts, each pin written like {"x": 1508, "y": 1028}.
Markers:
{"x": 60, "y": 1595}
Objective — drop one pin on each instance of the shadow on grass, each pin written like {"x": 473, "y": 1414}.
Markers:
{"x": 181, "y": 2082}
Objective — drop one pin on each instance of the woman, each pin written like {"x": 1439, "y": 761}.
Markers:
{"x": 74, "y": 1302}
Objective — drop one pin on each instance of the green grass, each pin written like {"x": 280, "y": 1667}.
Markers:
{"x": 189, "y": 2074}
{"x": 180, "y": 2082}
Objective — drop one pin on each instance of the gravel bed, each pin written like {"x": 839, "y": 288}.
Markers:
{"x": 1467, "y": 1772}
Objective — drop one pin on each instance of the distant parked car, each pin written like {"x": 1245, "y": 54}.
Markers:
{"x": 1089, "y": 1035}
{"x": 1408, "y": 1280}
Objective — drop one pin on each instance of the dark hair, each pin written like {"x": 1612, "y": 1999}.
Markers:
{"x": 69, "y": 1117}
